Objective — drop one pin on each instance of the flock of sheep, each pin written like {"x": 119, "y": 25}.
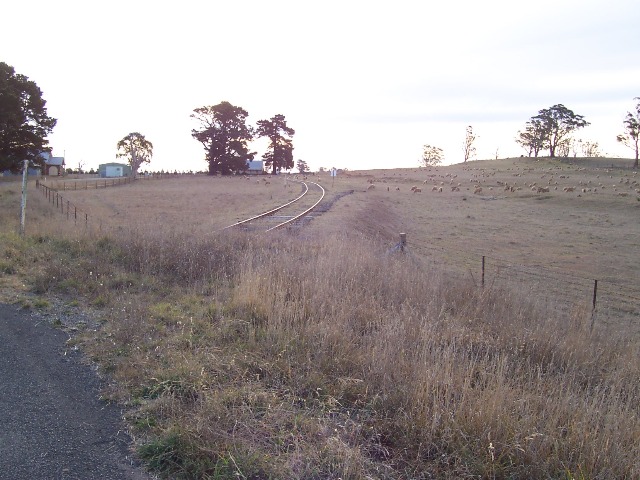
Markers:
{"x": 538, "y": 181}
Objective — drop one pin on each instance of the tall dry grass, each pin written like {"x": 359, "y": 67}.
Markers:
{"x": 272, "y": 357}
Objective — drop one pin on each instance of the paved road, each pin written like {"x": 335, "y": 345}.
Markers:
{"x": 52, "y": 423}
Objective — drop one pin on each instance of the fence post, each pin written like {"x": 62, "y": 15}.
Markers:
{"x": 403, "y": 241}
{"x": 482, "y": 278}
{"x": 67, "y": 209}
{"x": 23, "y": 201}
{"x": 593, "y": 305}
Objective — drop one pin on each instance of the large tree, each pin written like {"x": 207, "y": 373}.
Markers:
{"x": 279, "y": 155}
{"x": 533, "y": 139}
{"x": 558, "y": 122}
{"x": 632, "y": 131}
{"x": 24, "y": 123}
{"x": 225, "y": 135}
{"x": 136, "y": 149}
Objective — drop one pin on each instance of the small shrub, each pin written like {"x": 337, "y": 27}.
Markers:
{"x": 7, "y": 268}
{"x": 41, "y": 303}
{"x": 100, "y": 301}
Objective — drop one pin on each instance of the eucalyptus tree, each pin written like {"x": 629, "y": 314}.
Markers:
{"x": 468, "y": 146}
{"x": 632, "y": 131}
{"x": 533, "y": 138}
{"x": 136, "y": 149}
{"x": 431, "y": 156}
{"x": 557, "y": 123}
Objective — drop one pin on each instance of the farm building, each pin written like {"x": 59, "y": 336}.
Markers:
{"x": 255, "y": 167}
{"x": 50, "y": 165}
{"x": 111, "y": 170}
{"x": 53, "y": 166}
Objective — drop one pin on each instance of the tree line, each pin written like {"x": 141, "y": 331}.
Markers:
{"x": 225, "y": 135}
{"x": 551, "y": 129}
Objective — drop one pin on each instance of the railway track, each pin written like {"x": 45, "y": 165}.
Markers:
{"x": 291, "y": 214}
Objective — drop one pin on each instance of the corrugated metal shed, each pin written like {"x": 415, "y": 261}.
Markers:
{"x": 112, "y": 170}
{"x": 255, "y": 166}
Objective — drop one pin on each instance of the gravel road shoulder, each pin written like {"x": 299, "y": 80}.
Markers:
{"x": 54, "y": 425}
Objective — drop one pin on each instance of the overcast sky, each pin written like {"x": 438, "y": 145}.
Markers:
{"x": 365, "y": 84}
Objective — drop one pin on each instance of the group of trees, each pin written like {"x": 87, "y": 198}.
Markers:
{"x": 551, "y": 129}
{"x": 225, "y": 136}
{"x": 432, "y": 156}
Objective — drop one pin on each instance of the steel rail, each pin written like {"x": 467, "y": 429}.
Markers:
{"x": 271, "y": 211}
{"x": 303, "y": 213}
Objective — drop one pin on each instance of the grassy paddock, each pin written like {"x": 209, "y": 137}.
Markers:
{"x": 324, "y": 356}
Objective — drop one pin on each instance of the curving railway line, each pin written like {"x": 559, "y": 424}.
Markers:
{"x": 290, "y": 214}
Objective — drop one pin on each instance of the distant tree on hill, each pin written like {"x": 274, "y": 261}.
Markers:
{"x": 632, "y": 131}
{"x": 279, "y": 155}
{"x": 533, "y": 138}
{"x": 431, "y": 156}
{"x": 302, "y": 166}
{"x": 24, "y": 123}
{"x": 225, "y": 135}
{"x": 136, "y": 149}
{"x": 557, "y": 124}
{"x": 468, "y": 145}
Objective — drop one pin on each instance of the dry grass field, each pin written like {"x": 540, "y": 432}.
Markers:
{"x": 318, "y": 353}
{"x": 591, "y": 233}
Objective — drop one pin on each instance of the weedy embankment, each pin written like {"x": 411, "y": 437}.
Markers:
{"x": 268, "y": 357}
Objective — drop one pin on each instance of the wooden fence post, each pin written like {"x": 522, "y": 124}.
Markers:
{"x": 482, "y": 280}
{"x": 403, "y": 241}
{"x": 593, "y": 304}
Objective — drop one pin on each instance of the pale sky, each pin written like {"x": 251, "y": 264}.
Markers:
{"x": 365, "y": 84}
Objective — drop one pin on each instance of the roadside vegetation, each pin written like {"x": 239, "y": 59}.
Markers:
{"x": 331, "y": 358}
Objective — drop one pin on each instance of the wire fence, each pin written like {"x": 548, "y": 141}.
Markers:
{"x": 66, "y": 207}
{"x": 611, "y": 301}
{"x": 51, "y": 191}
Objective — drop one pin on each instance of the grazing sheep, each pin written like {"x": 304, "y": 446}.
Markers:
{"x": 568, "y": 189}
{"x": 434, "y": 189}
{"x": 413, "y": 188}
{"x": 417, "y": 190}
{"x": 371, "y": 187}
{"x": 477, "y": 190}
{"x": 542, "y": 190}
